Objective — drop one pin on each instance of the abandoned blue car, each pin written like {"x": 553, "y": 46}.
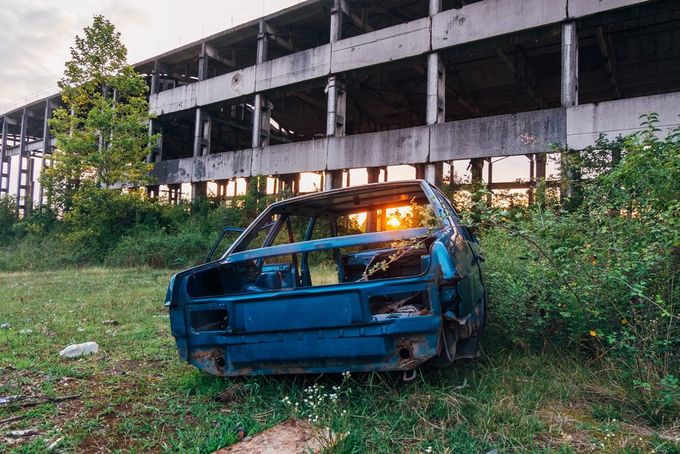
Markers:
{"x": 381, "y": 277}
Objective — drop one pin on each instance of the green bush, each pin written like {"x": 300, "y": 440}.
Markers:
{"x": 601, "y": 277}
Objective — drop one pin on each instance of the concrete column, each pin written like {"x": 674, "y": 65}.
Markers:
{"x": 435, "y": 7}
{"x": 288, "y": 183}
{"x": 199, "y": 190}
{"x": 569, "y": 65}
{"x": 174, "y": 193}
{"x": 434, "y": 173}
{"x": 436, "y": 89}
{"x": 489, "y": 181}
{"x": 336, "y": 21}
{"x": 222, "y": 189}
{"x": 4, "y": 160}
{"x": 373, "y": 174}
{"x": 262, "y": 43}
{"x": 569, "y": 91}
{"x": 262, "y": 107}
{"x": 337, "y": 99}
{"x": 541, "y": 160}
{"x": 153, "y": 89}
{"x": 198, "y": 133}
{"x": 476, "y": 168}
{"x": 532, "y": 179}
{"x": 336, "y": 107}
{"x": 47, "y": 148}
{"x": 203, "y": 62}
{"x": 436, "y": 97}
{"x": 420, "y": 171}
{"x": 155, "y": 79}
{"x": 541, "y": 167}
{"x": 261, "y": 121}
{"x": 22, "y": 150}
{"x": 152, "y": 191}
{"x": 202, "y": 127}
{"x": 30, "y": 186}
{"x": 372, "y": 215}
{"x": 333, "y": 179}
{"x": 151, "y": 156}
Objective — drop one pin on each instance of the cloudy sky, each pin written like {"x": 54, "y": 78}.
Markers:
{"x": 36, "y": 34}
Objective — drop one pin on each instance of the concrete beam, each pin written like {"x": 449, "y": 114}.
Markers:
{"x": 213, "y": 54}
{"x": 359, "y": 21}
{"x": 382, "y": 46}
{"x": 492, "y": 18}
{"x": 500, "y": 135}
{"x": 580, "y": 8}
{"x": 31, "y": 147}
{"x": 302, "y": 66}
{"x": 503, "y": 135}
{"x": 223, "y": 166}
{"x": 290, "y": 158}
{"x": 612, "y": 118}
{"x": 273, "y": 34}
{"x": 227, "y": 86}
{"x": 385, "y": 148}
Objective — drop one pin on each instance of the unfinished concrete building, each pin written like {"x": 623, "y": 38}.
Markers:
{"x": 327, "y": 86}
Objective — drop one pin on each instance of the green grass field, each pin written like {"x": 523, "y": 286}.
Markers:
{"x": 136, "y": 395}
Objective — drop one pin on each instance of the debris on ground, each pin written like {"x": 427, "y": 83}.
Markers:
{"x": 11, "y": 419}
{"x": 78, "y": 350}
{"x": 23, "y": 433}
{"x": 237, "y": 393}
{"x": 30, "y": 401}
{"x": 293, "y": 435}
{"x": 110, "y": 322}
{"x": 240, "y": 433}
{"x": 25, "y": 331}
{"x": 9, "y": 399}
{"x": 5, "y": 325}
{"x": 53, "y": 444}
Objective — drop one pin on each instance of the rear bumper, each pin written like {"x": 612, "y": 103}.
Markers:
{"x": 390, "y": 345}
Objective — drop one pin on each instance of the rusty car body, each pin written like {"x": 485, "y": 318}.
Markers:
{"x": 380, "y": 277}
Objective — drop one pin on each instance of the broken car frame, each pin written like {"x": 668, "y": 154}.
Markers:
{"x": 402, "y": 296}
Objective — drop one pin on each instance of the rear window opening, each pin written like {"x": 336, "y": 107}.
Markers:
{"x": 305, "y": 242}
{"x": 367, "y": 262}
{"x": 209, "y": 320}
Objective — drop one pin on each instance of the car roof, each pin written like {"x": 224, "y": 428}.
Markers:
{"x": 394, "y": 193}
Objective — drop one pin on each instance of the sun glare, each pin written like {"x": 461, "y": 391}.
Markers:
{"x": 394, "y": 222}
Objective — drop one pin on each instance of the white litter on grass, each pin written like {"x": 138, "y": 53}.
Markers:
{"x": 23, "y": 433}
{"x": 78, "y": 350}
{"x": 5, "y": 326}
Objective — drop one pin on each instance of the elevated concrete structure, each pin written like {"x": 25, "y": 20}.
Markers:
{"x": 331, "y": 85}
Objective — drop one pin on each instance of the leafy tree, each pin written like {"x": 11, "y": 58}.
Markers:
{"x": 101, "y": 133}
